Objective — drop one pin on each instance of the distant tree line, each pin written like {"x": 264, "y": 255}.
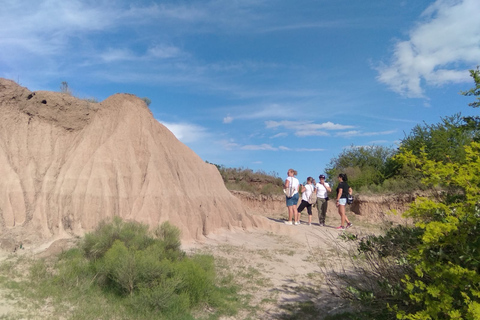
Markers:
{"x": 383, "y": 169}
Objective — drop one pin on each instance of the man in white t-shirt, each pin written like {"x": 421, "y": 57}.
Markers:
{"x": 323, "y": 188}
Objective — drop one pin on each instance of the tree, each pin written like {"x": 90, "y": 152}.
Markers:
{"x": 363, "y": 165}
{"x": 473, "y": 123}
{"x": 443, "y": 141}
{"x": 475, "y": 74}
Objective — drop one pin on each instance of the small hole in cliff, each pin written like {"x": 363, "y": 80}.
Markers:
{"x": 44, "y": 101}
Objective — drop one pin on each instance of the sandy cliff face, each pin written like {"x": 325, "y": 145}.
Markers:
{"x": 66, "y": 164}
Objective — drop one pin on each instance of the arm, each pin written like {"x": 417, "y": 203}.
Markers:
{"x": 327, "y": 187}
{"x": 287, "y": 183}
{"x": 339, "y": 194}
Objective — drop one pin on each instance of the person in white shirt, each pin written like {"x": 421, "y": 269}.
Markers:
{"x": 322, "y": 188}
{"x": 292, "y": 183}
{"x": 307, "y": 190}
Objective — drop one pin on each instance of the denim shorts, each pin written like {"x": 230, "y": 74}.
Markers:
{"x": 342, "y": 201}
{"x": 294, "y": 200}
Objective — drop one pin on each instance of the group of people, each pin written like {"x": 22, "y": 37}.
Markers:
{"x": 321, "y": 189}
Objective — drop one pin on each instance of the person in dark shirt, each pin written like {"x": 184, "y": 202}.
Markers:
{"x": 343, "y": 190}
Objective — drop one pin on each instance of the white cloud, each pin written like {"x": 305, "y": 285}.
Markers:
{"x": 309, "y": 149}
{"x": 314, "y": 25}
{"x": 232, "y": 145}
{"x": 357, "y": 133}
{"x": 113, "y": 55}
{"x": 259, "y": 147}
{"x": 228, "y": 144}
{"x": 186, "y": 132}
{"x": 306, "y": 128}
{"x": 164, "y": 52}
{"x": 440, "y": 50}
{"x": 267, "y": 111}
{"x": 227, "y": 119}
{"x": 280, "y": 135}
{"x": 49, "y": 24}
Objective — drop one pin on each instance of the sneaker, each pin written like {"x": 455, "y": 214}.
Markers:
{"x": 288, "y": 222}
{"x": 309, "y": 224}
{"x": 349, "y": 225}
{"x": 321, "y": 224}
{"x": 340, "y": 228}
{"x": 297, "y": 223}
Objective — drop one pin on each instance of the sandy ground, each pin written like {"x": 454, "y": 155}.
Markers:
{"x": 277, "y": 270}
{"x": 281, "y": 269}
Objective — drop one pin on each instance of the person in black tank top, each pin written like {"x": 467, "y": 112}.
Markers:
{"x": 342, "y": 192}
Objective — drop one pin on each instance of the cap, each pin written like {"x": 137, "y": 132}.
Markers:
{"x": 321, "y": 176}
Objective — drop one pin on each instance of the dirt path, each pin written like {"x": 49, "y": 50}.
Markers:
{"x": 282, "y": 271}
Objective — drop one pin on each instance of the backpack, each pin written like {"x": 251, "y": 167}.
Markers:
{"x": 313, "y": 198}
{"x": 290, "y": 191}
{"x": 349, "y": 199}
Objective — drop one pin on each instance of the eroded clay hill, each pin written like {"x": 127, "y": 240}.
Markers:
{"x": 66, "y": 164}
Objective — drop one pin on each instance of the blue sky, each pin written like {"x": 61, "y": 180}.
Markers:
{"x": 261, "y": 84}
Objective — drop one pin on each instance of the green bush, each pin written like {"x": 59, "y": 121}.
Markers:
{"x": 170, "y": 240}
{"x": 142, "y": 274}
{"x": 72, "y": 268}
{"x": 134, "y": 235}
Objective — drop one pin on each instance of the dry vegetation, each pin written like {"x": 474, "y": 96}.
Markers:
{"x": 256, "y": 182}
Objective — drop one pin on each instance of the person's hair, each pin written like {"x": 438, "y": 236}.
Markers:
{"x": 294, "y": 171}
{"x": 343, "y": 176}
{"x": 321, "y": 176}
{"x": 309, "y": 179}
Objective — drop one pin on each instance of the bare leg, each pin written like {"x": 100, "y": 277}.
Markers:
{"x": 290, "y": 213}
{"x": 341, "y": 212}
{"x": 297, "y": 214}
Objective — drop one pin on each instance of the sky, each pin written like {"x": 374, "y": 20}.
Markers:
{"x": 265, "y": 85}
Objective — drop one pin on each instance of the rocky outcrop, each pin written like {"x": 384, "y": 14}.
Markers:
{"x": 67, "y": 164}
{"x": 372, "y": 208}
{"x": 375, "y": 207}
